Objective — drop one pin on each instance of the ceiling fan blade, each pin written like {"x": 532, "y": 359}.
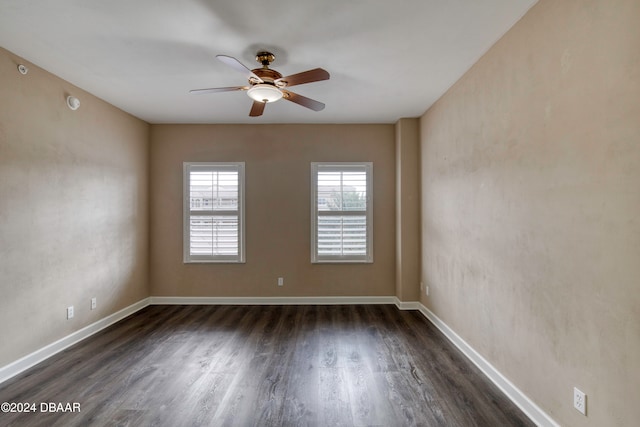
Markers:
{"x": 238, "y": 66}
{"x": 303, "y": 100}
{"x": 315, "y": 75}
{"x": 218, "y": 89}
{"x": 257, "y": 108}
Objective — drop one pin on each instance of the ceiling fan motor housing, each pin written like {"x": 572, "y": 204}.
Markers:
{"x": 265, "y": 90}
{"x": 266, "y": 74}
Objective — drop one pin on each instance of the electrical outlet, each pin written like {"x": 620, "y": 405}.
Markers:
{"x": 94, "y": 303}
{"x": 280, "y": 281}
{"x": 426, "y": 290}
{"x": 70, "y": 312}
{"x": 580, "y": 401}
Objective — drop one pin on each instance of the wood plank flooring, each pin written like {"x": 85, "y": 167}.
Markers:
{"x": 361, "y": 365}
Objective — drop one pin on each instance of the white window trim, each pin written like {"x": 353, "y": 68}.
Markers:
{"x": 341, "y": 166}
{"x": 187, "y": 257}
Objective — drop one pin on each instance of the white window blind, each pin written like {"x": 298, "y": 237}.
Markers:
{"x": 341, "y": 212}
{"x": 213, "y": 212}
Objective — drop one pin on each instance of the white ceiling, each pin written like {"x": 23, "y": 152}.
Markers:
{"x": 387, "y": 59}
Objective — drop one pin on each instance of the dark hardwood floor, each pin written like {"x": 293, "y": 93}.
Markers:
{"x": 361, "y": 365}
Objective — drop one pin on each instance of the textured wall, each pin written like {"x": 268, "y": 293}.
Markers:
{"x": 73, "y": 209}
{"x": 278, "y": 203}
{"x": 408, "y": 209}
{"x": 531, "y": 208}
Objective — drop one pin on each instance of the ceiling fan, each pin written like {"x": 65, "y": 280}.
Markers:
{"x": 267, "y": 85}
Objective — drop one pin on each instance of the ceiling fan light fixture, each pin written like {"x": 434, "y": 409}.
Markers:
{"x": 264, "y": 92}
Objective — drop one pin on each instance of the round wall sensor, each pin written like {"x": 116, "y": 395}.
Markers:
{"x": 73, "y": 102}
{"x": 23, "y": 70}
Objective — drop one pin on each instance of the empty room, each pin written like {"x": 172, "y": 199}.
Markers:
{"x": 341, "y": 213}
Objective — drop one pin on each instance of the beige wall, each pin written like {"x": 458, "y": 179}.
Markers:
{"x": 531, "y": 208}
{"x": 73, "y": 209}
{"x": 407, "y": 209}
{"x": 278, "y": 232}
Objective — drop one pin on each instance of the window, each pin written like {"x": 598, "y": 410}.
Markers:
{"x": 213, "y": 212}
{"x": 341, "y": 212}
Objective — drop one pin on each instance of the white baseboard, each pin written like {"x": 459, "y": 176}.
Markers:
{"x": 271, "y": 300}
{"x": 533, "y": 411}
{"x": 38, "y": 356}
{"x": 407, "y": 305}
